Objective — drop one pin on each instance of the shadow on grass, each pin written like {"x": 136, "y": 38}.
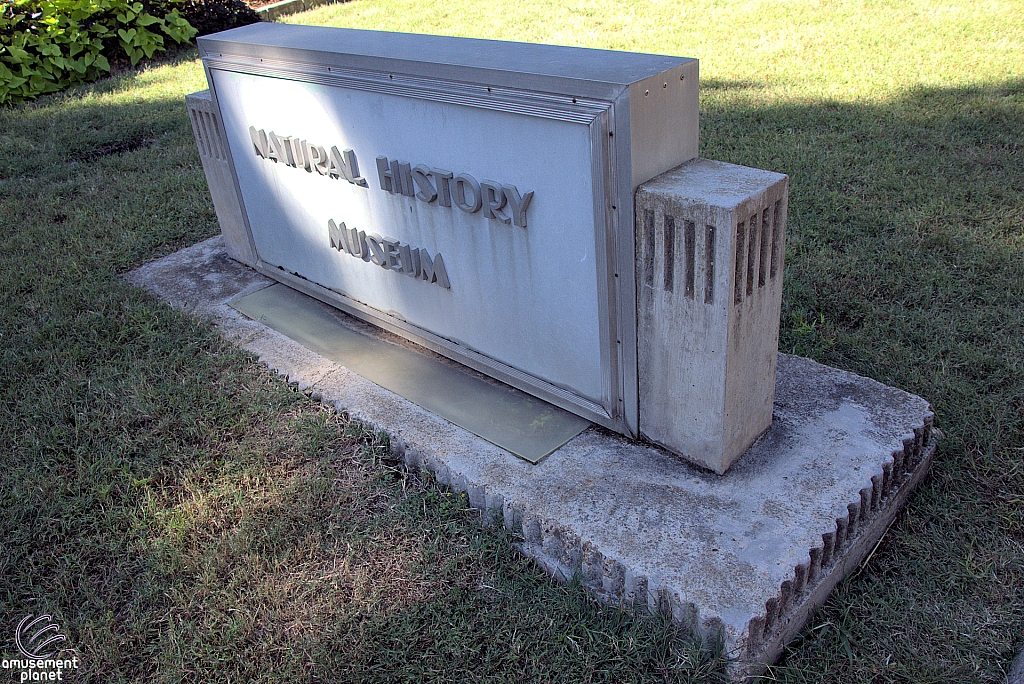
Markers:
{"x": 905, "y": 243}
{"x": 47, "y": 134}
{"x": 905, "y": 263}
{"x": 184, "y": 513}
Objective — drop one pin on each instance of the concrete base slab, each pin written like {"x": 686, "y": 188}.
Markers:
{"x": 746, "y": 556}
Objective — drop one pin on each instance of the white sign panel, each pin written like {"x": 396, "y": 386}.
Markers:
{"x": 470, "y": 208}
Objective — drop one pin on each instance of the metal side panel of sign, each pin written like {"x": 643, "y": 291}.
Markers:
{"x": 478, "y": 220}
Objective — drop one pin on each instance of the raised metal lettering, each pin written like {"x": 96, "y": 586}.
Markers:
{"x": 353, "y": 169}
{"x": 389, "y": 254}
{"x": 364, "y": 249}
{"x": 392, "y": 259}
{"x": 276, "y": 151}
{"x": 442, "y": 180}
{"x": 376, "y": 244}
{"x": 306, "y": 154}
{"x": 354, "y": 244}
{"x": 337, "y": 167}
{"x": 395, "y": 177}
{"x": 259, "y": 141}
{"x": 337, "y": 235}
{"x": 318, "y": 159}
{"x": 461, "y": 182}
{"x": 300, "y": 154}
{"x": 398, "y": 177}
{"x": 387, "y": 180}
{"x": 344, "y": 165}
{"x": 410, "y": 260}
{"x": 426, "y": 264}
{"x": 295, "y": 152}
{"x": 289, "y": 153}
{"x": 426, "y": 192}
{"x": 337, "y": 164}
{"x": 517, "y": 205}
{"x": 433, "y": 270}
{"x": 404, "y": 170}
{"x": 493, "y": 201}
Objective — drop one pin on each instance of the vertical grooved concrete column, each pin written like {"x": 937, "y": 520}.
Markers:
{"x": 710, "y": 245}
{"x": 213, "y": 152}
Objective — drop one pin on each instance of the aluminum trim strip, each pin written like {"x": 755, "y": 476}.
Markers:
{"x": 529, "y": 103}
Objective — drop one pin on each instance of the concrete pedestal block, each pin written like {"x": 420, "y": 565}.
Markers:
{"x": 743, "y": 559}
{"x": 710, "y": 240}
{"x": 213, "y": 151}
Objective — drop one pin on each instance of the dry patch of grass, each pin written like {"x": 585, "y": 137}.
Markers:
{"x": 183, "y": 513}
{"x": 189, "y": 517}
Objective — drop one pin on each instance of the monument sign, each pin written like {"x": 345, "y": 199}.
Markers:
{"x": 540, "y": 214}
{"x": 479, "y": 198}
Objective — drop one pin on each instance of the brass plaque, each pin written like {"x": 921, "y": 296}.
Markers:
{"x": 528, "y": 427}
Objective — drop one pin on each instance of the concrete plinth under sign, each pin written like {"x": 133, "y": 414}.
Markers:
{"x": 749, "y": 554}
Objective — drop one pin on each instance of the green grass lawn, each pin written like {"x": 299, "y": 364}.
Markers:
{"x": 187, "y": 516}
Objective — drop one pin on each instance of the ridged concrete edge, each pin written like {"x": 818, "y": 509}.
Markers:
{"x": 562, "y": 554}
{"x": 554, "y": 545}
{"x": 841, "y": 551}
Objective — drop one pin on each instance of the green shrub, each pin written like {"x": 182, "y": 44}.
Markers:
{"x": 48, "y": 45}
{"x": 211, "y": 16}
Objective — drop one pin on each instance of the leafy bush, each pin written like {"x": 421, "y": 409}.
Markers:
{"x": 48, "y": 45}
{"x": 211, "y": 16}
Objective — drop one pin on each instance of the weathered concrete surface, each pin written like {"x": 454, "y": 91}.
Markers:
{"x": 1016, "y": 673}
{"x": 710, "y": 240}
{"x": 750, "y": 553}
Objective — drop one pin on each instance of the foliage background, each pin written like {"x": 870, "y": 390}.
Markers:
{"x": 49, "y": 45}
{"x": 186, "y": 516}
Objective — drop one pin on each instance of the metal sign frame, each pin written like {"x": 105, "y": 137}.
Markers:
{"x": 603, "y": 106}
